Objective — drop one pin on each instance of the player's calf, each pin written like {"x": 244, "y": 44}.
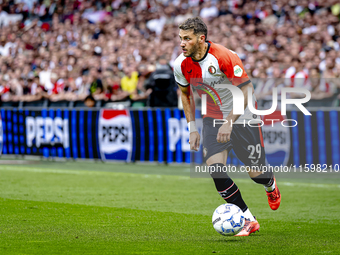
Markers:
{"x": 228, "y": 190}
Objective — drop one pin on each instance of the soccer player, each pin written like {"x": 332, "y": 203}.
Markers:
{"x": 204, "y": 64}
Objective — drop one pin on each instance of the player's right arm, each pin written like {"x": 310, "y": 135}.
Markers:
{"x": 188, "y": 103}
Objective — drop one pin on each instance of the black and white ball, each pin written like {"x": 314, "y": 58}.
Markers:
{"x": 228, "y": 219}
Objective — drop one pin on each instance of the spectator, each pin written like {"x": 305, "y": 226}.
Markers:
{"x": 45, "y": 78}
{"x": 163, "y": 86}
{"x": 322, "y": 89}
{"x": 116, "y": 93}
{"x": 209, "y": 11}
{"x": 32, "y": 92}
{"x": 96, "y": 85}
{"x": 5, "y": 47}
{"x": 89, "y": 101}
{"x": 297, "y": 76}
{"x": 40, "y": 38}
{"x": 129, "y": 81}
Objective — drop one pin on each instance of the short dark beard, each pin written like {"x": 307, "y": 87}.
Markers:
{"x": 194, "y": 49}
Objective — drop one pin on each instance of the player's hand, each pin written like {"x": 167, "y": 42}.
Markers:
{"x": 194, "y": 141}
{"x": 224, "y": 133}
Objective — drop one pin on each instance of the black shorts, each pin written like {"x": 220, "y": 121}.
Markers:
{"x": 246, "y": 141}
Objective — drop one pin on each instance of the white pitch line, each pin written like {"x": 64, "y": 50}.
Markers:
{"x": 89, "y": 172}
{"x": 312, "y": 185}
{"x": 86, "y": 172}
{"x": 53, "y": 171}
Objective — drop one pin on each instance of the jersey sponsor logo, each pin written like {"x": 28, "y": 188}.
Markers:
{"x": 47, "y": 131}
{"x": 115, "y": 135}
{"x": 276, "y": 139}
{"x": 211, "y": 69}
{"x": 1, "y": 135}
{"x": 189, "y": 71}
{"x": 238, "y": 71}
{"x": 219, "y": 81}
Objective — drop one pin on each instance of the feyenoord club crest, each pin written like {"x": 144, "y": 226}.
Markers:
{"x": 212, "y": 69}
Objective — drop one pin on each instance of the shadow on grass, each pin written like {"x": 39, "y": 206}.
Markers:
{"x": 235, "y": 239}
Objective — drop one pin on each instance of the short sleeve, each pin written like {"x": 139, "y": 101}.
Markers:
{"x": 179, "y": 77}
{"x": 231, "y": 65}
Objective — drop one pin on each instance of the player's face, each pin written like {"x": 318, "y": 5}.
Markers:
{"x": 189, "y": 42}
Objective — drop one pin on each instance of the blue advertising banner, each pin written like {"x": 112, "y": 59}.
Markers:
{"x": 157, "y": 135}
{"x": 49, "y": 133}
{"x": 1, "y": 136}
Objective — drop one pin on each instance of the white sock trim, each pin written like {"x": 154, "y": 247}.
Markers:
{"x": 270, "y": 188}
{"x": 247, "y": 214}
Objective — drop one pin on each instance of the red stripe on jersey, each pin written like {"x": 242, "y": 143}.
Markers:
{"x": 261, "y": 137}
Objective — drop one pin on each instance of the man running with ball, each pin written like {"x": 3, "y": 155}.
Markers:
{"x": 203, "y": 65}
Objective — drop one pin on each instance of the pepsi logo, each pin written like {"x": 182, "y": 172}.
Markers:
{"x": 42, "y": 131}
{"x": 276, "y": 138}
{"x": 115, "y": 135}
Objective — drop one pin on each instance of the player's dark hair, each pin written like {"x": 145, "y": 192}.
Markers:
{"x": 197, "y": 25}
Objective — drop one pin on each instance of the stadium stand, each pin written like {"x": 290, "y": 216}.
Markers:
{"x": 62, "y": 51}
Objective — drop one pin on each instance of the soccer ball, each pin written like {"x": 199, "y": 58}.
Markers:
{"x": 228, "y": 219}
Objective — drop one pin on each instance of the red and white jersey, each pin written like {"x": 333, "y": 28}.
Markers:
{"x": 326, "y": 85}
{"x": 301, "y": 80}
{"x": 297, "y": 79}
{"x": 219, "y": 66}
{"x": 59, "y": 86}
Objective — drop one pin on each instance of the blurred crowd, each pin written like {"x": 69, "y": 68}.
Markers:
{"x": 106, "y": 51}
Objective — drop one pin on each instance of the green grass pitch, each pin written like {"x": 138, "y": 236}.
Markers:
{"x": 96, "y": 208}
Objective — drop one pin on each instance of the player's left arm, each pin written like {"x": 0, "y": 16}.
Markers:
{"x": 225, "y": 130}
